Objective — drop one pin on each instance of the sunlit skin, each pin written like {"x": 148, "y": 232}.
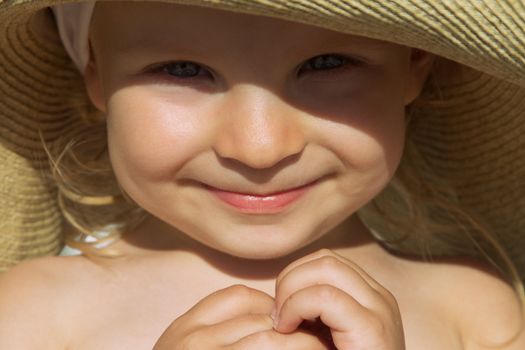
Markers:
{"x": 196, "y": 99}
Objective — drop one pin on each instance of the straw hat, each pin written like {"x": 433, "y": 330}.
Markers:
{"x": 473, "y": 139}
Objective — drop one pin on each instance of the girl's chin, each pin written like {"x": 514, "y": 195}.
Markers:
{"x": 260, "y": 255}
{"x": 260, "y": 250}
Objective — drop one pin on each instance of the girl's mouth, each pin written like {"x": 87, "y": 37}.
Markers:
{"x": 261, "y": 204}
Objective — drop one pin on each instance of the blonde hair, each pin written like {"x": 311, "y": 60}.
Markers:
{"x": 89, "y": 195}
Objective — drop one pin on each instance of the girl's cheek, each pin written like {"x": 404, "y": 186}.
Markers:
{"x": 366, "y": 128}
{"x": 151, "y": 136}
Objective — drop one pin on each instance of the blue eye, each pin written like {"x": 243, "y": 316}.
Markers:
{"x": 182, "y": 69}
{"x": 329, "y": 62}
{"x": 326, "y": 62}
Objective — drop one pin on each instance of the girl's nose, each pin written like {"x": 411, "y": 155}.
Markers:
{"x": 258, "y": 128}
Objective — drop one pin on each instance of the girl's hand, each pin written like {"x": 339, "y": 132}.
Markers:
{"x": 236, "y": 317}
{"x": 360, "y": 313}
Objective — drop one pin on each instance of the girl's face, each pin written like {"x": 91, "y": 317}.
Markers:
{"x": 200, "y": 100}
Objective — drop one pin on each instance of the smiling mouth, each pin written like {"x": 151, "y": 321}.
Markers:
{"x": 261, "y": 204}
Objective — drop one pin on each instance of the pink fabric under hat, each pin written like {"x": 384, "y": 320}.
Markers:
{"x": 73, "y": 22}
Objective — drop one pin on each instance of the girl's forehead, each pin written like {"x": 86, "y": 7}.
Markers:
{"x": 146, "y": 22}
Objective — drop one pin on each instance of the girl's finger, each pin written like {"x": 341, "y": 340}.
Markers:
{"x": 326, "y": 253}
{"x": 230, "y": 331}
{"x": 352, "y": 326}
{"x": 334, "y": 307}
{"x": 271, "y": 339}
{"x": 223, "y": 305}
{"x": 331, "y": 271}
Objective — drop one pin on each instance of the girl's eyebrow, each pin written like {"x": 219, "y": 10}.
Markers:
{"x": 353, "y": 43}
{"x": 156, "y": 47}
{"x": 161, "y": 46}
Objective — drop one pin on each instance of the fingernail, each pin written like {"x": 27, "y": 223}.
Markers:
{"x": 274, "y": 316}
{"x": 275, "y": 322}
{"x": 274, "y": 312}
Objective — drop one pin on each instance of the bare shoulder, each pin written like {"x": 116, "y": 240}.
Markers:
{"x": 486, "y": 309}
{"x": 36, "y": 297}
{"x": 490, "y": 311}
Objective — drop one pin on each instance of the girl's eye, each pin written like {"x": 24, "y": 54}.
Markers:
{"x": 328, "y": 62}
{"x": 183, "y": 69}
{"x": 183, "y": 72}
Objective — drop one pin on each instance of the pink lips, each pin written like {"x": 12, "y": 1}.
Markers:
{"x": 257, "y": 204}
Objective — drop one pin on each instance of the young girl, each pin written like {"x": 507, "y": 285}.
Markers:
{"x": 244, "y": 146}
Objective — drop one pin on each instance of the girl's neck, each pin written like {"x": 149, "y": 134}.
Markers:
{"x": 156, "y": 239}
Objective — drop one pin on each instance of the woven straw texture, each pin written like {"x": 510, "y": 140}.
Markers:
{"x": 474, "y": 139}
